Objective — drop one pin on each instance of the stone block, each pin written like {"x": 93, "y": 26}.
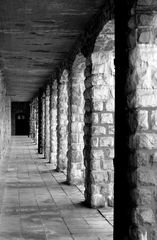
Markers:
{"x": 100, "y": 177}
{"x": 106, "y": 164}
{"x": 153, "y": 120}
{"x": 100, "y": 93}
{"x": 98, "y": 106}
{"x": 76, "y": 146}
{"x": 140, "y": 158}
{"x": 97, "y": 79}
{"x": 144, "y": 36}
{"x": 154, "y": 157}
{"x": 95, "y": 118}
{"x": 74, "y": 138}
{"x": 106, "y": 141}
{"x": 146, "y": 2}
{"x": 97, "y": 154}
{"x": 109, "y": 152}
{"x": 76, "y": 156}
{"x": 76, "y": 127}
{"x": 110, "y": 105}
{"x": 98, "y": 68}
{"x": 97, "y": 200}
{"x": 146, "y": 141}
{"x": 106, "y": 118}
{"x": 143, "y": 120}
{"x": 95, "y": 165}
{"x": 94, "y": 141}
{"x": 98, "y": 130}
{"x": 146, "y": 177}
{"x": 111, "y": 129}
{"x": 142, "y": 196}
{"x": 146, "y": 98}
{"x": 146, "y": 20}
{"x": 147, "y": 215}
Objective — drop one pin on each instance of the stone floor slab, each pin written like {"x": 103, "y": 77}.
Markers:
{"x": 37, "y": 204}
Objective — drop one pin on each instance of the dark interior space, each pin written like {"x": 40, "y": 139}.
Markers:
{"x": 20, "y": 118}
{"x": 21, "y": 124}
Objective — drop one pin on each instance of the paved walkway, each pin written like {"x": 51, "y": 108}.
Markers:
{"x": 36, "y": 204}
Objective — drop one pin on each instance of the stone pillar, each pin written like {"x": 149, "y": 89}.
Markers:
{"x": 62, "y": 122}
{"x": 31, "y": 121}
{"x": 53, "y": 123}
{"x": 5, "y": 118}
{"x": 47, "y": 122}
{"x": 135, "y": 123}
{"x": 75, "y": 174}
{"x": 40, "y": 124}
{"x": 36, "y": 120}
{"x": 99, "y": 121}
{"x": 43, "y": 122}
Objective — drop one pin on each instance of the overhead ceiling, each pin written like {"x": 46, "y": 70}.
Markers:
{"x": 35, "y": 36}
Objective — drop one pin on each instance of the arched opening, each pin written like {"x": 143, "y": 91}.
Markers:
{"x": 22, "y": 124}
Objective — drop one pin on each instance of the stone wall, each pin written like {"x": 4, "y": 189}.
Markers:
{"x": 5, "y": 118}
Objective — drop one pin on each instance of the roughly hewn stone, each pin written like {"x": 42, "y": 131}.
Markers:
{"x": 98, "y": 130}
{"x": 146, "y": 141}
{"x": 106, "y": 141}
{"x": 143, "y": 196}
{"x": 99, "y": 121}
{"x": 62, "y": 148}
{"x": 154, "y": 120}
{"x": 147, "y": 215}
{"x": 53, "y": 123}
{"x": 143, "y": 120}
{"x": 76, "y": 121}
{"x": 5, "y": 119}
{"x": 154, "y": 157}
{"x": 106, "y": 118}
{"x": 47, "y": 122}
{"x": 110, "y": 105}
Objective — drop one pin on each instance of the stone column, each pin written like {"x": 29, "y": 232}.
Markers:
{"x": 47, "y": 122}
{"x": 36, "y": 120}
{"x": 75, "y": 174}
{"x": 136, "y": 123}
{"x": 99, "y": 121}
{"x": 62, "y": 122}
{"x": 53, "y": 123}
{"x": 32, "y": 121}
{"x": 5, "y": 118}
{"x": 40, "y": 124}
{"x": 43, "y": 122}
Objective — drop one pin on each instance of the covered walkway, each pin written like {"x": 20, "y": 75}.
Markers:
{"x": 36, "y": 203}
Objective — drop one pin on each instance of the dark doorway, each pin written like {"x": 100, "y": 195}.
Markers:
{"x": 21, "y": 121}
